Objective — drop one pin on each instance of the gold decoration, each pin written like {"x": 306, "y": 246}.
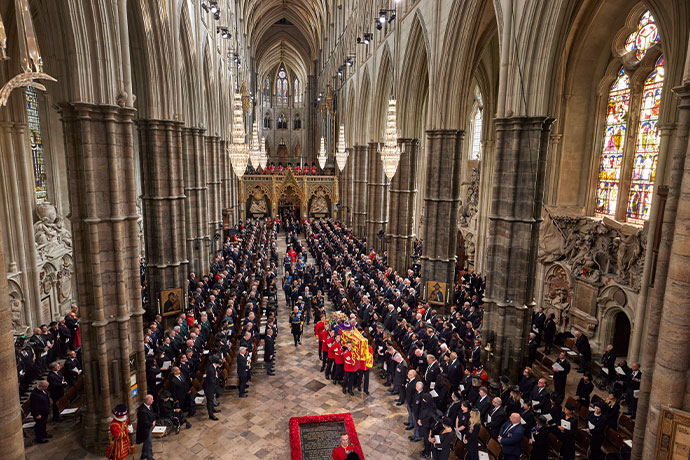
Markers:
{"x": 390, "y": 153}
{"x": 239, "y": 154}
{"x": 29, "y": 54}
{"x": 341, "y": 153}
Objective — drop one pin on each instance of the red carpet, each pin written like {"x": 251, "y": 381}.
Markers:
{"x": 315, "y": 437}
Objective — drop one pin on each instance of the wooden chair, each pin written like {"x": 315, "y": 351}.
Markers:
{"x": 459, "y": 450}
{"x": 582, "y": 442}
{"x": 583, "y": 413}
{"x": 484, "y": 436}
{"x": 612, "y": 444}
{"x": 494, "y": 449}
{"x": 626, "y": 425}
{"x": 555, "y": 445}
{"x": 526, "y": 447}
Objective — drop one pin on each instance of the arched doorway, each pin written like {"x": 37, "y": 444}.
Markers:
{"x": 621, "y": 334}
{"x": 289, "y": 204}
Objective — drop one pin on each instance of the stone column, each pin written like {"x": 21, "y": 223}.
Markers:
{"x": 360, "y": 155}
{"x": 403, "y": 195}
{"x": 347, "y": 188}
{"x": 666, "y": 355}
{"x": 442, "y": 203}
{"x": 103, "y": 193}
{"x": 10, "y": 414}
{"x": 377, "y": 199}
{"x": 162, "y": 170}
{"x": 518, "y": 190}
{"x": 226, "y": 176}
{"x": 196, "y": 201}
{"x": 213, "y": 182}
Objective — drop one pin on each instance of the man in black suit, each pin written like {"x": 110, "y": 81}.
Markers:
{"x": 39, "y": 404}
{"x": 179, "y": 390}
{"x": 72, "y": 368}
{"x": 538, "y": 322}
{"x": 483, "y": 403}
{"x": 560, "y": 376}
{"x": 539, "y": 396}
{"x": 454, "y": 371}
{"x": 410, "y": 390}
{"x": 531, "y": 349}
{"x": 269, "y": 351}
{"x": 495, "y": 417}
{"x": 584, "y": 351}
{"x": 431, "y": 373}
{"x": 243, "y": 371}
{"x": 631, "y": 388}
{"x": 210, "y": 387}
{"x": 56, "y": 388}
{"x": 146, "y": 420}
{"x": 476, "y": 354}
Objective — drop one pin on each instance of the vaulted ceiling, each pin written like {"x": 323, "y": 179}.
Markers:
{"x": 291, "y": 31}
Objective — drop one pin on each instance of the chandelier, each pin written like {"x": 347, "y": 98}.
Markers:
{"x": 238, "y": 150}
{"x": 255, "y": 150}
{"x": 341, "y": 153}
{"x": 29, "y": 54}
{"x": 322, "y": 155}
{"x": 390, "y": 153}
{"x": 263, "y": 160}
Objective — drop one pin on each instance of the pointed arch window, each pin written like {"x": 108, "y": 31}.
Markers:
{"x": 646, "y": 147}
{"x": 476, "y": 125}
{"x": 646, "y": 36}
{"x": 614, "y": 142}
{"x": 282, "y": 87}
{"x": 629, "y": 198}
{"x": 36, "y": 140}
{"x": 297, "y": 89}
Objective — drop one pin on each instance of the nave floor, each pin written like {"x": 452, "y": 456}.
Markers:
{"x": 256, "y": 428}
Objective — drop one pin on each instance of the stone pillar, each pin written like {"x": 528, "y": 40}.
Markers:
{"x": 162, "y": 170}
{"x": 196, "y": 201}
{"x": 103, "y": 193}
{"x": 226, "y": 176}
{"x": 518, "y": 190}
{"x": 347, "y": 188}
{"x": 10, "y": 414}
{"x": 213, "y": 182}
{"x": 403, "y": 195}
{"x": 442, "y": 203}
{"x": 666, "y": 355}
{"x": 360, "y": 155}
{"x": 377, "y": 199}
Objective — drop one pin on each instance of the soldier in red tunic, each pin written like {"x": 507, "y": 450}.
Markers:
{"x": 119, "y": 446}
{"x": 318, "y": 329}
{"x": 350, "y": 367}
{"x": 340, "y": 452}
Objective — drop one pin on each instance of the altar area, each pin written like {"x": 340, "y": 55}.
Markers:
{"x": 264, "y": 195}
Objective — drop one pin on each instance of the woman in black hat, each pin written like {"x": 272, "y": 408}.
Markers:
{"x": 442, "y": 441}
{"x": 567, "y": 430}
{"x": 539, "y": 439}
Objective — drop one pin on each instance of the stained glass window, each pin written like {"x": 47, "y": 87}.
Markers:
{"x": 38, "y": 163}
{"x": 282, "y": 87}
{"x": 646, "y": 36}
{"x": 614, "y": 142}
{"x": 297, "y": 89}
{"x": 646, "y": 147}
{"x": 476, "y": 135}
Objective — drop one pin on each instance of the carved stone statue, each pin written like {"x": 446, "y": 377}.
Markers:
{"x": 258, "y": 204}
{"x": 319, "y": 205}
{"x": 50, "y": 233}
{"x": 64, "y": 282}
{"x": 470, "y": 204}
{"x": 15, "y": 312}
{"x": 593, "y": 248}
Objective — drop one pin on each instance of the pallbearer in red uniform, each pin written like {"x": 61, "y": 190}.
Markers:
{"x": 330, "y": 362}
{"x": 350, "y": 369}
{"x": 119, "y": 446}
{"x": 340, "y": 452}
{"x": 318, "y": 331}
